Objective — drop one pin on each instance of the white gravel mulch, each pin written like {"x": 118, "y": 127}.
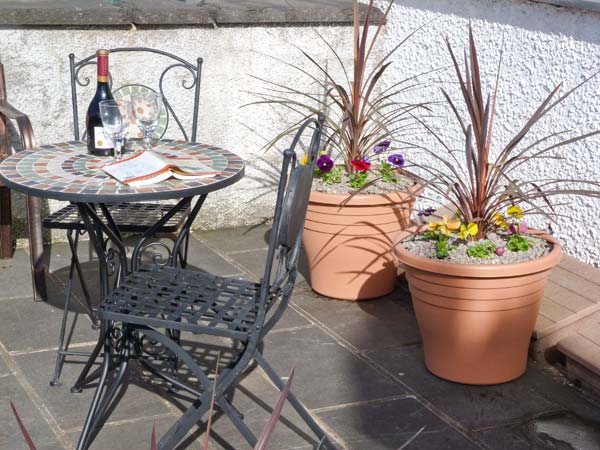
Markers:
{"x": 458, "y": 250}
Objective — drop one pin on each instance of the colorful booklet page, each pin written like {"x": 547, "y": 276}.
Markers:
{"x": 147, "y": 167}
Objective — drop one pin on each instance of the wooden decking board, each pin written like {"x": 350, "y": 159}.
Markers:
{"x": 554, "y": 311}
{"x": 567, "y": 297}
{"x": 582, "y": 350}
{"x": 577, "y": 284}
{"x": 583, "y": 270}
{"x": 592, "y": 334}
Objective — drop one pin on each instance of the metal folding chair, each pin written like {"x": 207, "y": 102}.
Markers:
{"x": 129, "y": 217}
{"x": 156, "y": 298}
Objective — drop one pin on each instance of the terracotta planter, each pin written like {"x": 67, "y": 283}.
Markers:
{"x": 476, "y": 320}
{"x": 348, "y": 242}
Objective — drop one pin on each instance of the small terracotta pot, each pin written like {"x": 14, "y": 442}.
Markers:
{"x": 348, "y": 242}
{"x": 476, "y": 320}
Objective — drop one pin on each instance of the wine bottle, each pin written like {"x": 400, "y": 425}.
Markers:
{"x": 99, "y": 141}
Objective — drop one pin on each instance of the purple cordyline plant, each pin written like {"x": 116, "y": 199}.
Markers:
{"x": 362, "y": 117}
{"x": 479, "y": 187}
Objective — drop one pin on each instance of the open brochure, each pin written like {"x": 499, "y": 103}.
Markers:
{"x": 147, "y": 167}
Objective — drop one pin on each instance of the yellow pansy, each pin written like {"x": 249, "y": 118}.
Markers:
{"x": 446, "y": 226}
{"x": 304, "y": 160}
{"x": 500, "y": 220}
{"x": 515, "y": 212}
{"x": 469, "y": 230}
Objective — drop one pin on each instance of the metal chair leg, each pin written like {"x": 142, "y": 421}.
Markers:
{"x": 237, "y": 420}
{"x": 299, "y": 407}
{"x": 100, "y": 406}
{"x": 63, "y": 347}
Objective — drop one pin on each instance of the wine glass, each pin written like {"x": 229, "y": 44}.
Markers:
{"x": 116, "y": 116}
{"x": 146, "y": 109}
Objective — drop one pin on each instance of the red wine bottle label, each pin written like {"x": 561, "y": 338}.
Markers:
{"x": 104, "y": 140}
{"x": 102, "y": 56}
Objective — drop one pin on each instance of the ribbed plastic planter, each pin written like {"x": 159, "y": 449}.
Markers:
{"x": 348, "y": 242}
{"x": 476, "y": 320}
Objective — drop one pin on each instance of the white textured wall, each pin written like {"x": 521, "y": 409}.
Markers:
{"x": 37, "y": 72}
{"x": 544, "y": 45}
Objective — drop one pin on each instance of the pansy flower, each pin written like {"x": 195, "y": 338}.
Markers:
{"x": 500, "y": 251}
{"x": 304, "y": 160}
{"x": 325, "y": 163}
{"x": 382, "y": 147}
{"x": 468, "y": 230}
{"x": 360, "y": 166}
{"x": 426, "y": 212}
{"x": 515, "y": 212}
{"x": 445, "y": 226}
{"x": 396, "y": 159}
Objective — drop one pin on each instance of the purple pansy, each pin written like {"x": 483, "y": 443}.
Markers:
{"x": 382, "y": 147}
{"x": 426, "y": 212}
{"x": 396, "y": 159}
{"x": 500, "y": 251}
{"x": 325, "y": 163}
{"x": 512, "y": 229}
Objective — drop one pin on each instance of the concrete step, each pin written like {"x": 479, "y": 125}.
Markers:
{"x": 571, "y": 303}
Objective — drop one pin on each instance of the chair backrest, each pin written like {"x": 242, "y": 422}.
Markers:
{"x": 160, "y": 60}
{"x": 290, "y": 212}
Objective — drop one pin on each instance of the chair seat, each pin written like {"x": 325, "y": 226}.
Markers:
{"x": 129, "y": 217}
{"x": 185, "y": 300}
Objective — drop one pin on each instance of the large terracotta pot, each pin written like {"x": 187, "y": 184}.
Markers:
{"x": 348, "y": 242}
{"x": 476, "y": 320}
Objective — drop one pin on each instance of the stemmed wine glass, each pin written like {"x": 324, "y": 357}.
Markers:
{"x": 116, "y": 116}
{"x": 146, "y": 109}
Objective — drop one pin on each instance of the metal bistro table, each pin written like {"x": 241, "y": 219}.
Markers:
{"x": 65, "y": 171}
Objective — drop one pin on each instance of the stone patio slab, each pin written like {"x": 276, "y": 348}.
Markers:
{"x": 389, "y": 424}
{"x": 327, "y": 373}
{"x": 473, "y": 406}
{"x": 10, "y": 435}
{"x": 15, "y": 276}
{"x": 29, "y": 326}
{"x": 70, "y": 409}
{"x": 387, "y": 322}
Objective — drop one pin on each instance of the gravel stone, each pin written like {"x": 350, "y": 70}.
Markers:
{"x": 379, "y": 187}
{"x": 458, "y": 249}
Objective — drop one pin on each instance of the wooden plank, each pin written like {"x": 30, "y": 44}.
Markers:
{"x": 566, "y": 297}
{"x": 582, "y": 269}
{"x": 554, "y": 311}
{"x": 576, "y": 283}
{"x": 592, "y": 333}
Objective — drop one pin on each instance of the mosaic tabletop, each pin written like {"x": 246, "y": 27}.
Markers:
{"x": 66, "y": 171}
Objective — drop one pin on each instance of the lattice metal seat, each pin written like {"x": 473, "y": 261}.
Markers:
{"x": 186, "y": 300}
{"x": 129, "y": 217}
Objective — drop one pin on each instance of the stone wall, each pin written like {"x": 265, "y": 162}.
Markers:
{"x": 37, "y": 72}
{"x": 543, "y": 46}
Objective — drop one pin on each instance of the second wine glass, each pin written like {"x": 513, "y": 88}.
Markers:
{"x": 146, "y": 109}
{"x": 116, "y": 116}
